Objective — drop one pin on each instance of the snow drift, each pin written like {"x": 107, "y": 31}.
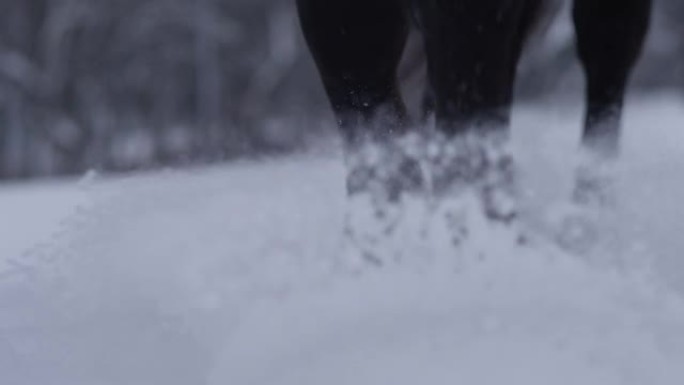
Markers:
{"x": 232, "y": 276}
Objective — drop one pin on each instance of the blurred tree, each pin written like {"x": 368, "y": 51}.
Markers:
{"x": 120, "y": 84}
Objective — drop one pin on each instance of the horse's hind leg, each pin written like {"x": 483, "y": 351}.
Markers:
{"x": 610, "y": 35}
{"x": 357, "y": 46}
{"x": 472, "y": 48}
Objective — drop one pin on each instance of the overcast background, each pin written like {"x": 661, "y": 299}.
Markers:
{"x": 116, "y": 85}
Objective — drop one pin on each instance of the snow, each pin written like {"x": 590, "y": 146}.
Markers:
{"x": 231, "y": 275}
{"x": 52, "y": 204}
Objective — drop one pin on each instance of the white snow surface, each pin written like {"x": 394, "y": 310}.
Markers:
{"x": 229, "y": 276}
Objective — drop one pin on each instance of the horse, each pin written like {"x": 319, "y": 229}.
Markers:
{"x": 472, "y": 50}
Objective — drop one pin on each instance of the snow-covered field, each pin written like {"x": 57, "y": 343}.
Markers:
{"x": 227, "y": 276}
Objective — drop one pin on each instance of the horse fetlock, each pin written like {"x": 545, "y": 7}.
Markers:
{"x": 475, "y": 163}
{"x": 595, "y": 182}
{"x": 386, "y": 169}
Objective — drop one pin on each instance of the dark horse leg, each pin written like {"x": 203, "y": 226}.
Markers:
{"x": 610, "y": 35}
{"x": 357, "y": 46}
{"x": 473, "y": 47}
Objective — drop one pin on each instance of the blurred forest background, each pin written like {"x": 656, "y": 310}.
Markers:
{"x": 126, "y": 84}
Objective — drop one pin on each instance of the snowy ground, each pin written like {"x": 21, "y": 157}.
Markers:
{"x": 227, "y": 276}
